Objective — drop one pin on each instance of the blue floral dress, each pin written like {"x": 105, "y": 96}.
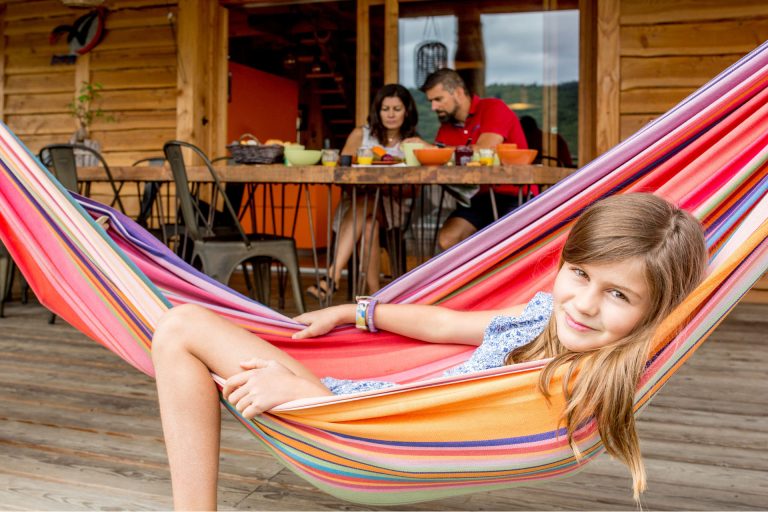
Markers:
{"x": 503, "y": 334}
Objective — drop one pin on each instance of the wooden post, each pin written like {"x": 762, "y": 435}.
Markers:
{"x": 363, "y": 59}
{"x": 470, "y": 51}
{"x": 219, "y": 86}
{"x": 391, "y": 41}
{"x": 587, "y": 81}
{"x": 2, "y": 62}
{"x": 608, "y": 75}
{"x": 549, "y": 89}
{"x": 202, "y": 75}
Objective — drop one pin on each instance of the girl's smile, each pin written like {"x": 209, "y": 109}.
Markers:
{"x": 598, "y": 304}
{"x": 576, "y": 325}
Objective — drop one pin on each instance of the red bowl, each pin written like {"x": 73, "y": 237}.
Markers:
{"x": 433, "y": 156}
{"x": 516, "y": 156}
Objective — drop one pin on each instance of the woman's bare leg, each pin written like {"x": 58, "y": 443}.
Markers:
{"x": 350, "y": 230}
{"x": 189, "y": 343}
{"x": 374, "y": 259}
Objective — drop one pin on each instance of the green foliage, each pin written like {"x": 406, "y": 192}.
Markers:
{"x": 82, "y": 108}
{"x": 567, "y": 109}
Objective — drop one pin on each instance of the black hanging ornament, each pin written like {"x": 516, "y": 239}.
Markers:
{"x": 431, "y": 55}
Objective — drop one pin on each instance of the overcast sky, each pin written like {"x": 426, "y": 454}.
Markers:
{"x": 514, "y": 45}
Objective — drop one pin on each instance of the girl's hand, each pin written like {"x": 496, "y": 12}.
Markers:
{"x": 264, "y": 384}
{"x": 323, "y": 320}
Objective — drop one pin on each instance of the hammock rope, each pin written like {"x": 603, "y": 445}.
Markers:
{"x": 112, "y": 281}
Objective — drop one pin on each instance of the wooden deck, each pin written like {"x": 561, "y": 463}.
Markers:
{"x": 79, "y": 430}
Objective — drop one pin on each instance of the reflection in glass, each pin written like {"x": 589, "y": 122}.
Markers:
{"x": 528, "y": 59}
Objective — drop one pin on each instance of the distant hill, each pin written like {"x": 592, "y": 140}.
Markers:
{"x": 567, "y": 108}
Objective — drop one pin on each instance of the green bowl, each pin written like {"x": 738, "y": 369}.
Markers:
{"x": 299, "y": 157}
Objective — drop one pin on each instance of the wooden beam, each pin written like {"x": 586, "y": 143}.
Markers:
{"x": 587, "y": 81}
{"x": 363, "y": 59}
{"x": 391, "y": 41}
{"x": 469, "y": 59}
{"x": 608, "y": 75}
{"x": 187, "y": 108}
{"x": 549, "y": 89}
{"x": 202, "y": 75}
{"x": 2, "y": 62}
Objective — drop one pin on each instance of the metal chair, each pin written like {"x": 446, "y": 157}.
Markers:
{"x": 7, "y": 274}
{"x": 6, "y": 277}
{"x": 151, "y": 215}
{"x": 60, "y": 158}
{"x": 218, "y": 250}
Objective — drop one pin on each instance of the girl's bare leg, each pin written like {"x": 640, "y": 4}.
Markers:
{"x": 189, "y": 343}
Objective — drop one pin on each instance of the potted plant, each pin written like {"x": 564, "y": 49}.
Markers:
{"x": 85, "y": 112}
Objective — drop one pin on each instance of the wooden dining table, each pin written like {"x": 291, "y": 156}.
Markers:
{"x": 349, "y": 178}
{"x": 363, "y": 175}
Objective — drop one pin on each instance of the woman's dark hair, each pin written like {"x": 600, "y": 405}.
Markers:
{"x": 408, "y": 129}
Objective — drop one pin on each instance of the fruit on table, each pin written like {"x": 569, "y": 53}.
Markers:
{"x": 379, "y": 151}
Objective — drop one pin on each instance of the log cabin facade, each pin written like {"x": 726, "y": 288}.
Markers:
{"x": 163, "y": 66}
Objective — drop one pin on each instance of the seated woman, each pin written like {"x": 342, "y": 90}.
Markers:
{"x": 393, "y": 117}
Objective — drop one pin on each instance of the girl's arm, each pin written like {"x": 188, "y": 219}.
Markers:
{"x": 434, "y": 324}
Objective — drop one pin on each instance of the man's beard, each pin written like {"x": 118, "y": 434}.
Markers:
{"x": 447, "y": 117}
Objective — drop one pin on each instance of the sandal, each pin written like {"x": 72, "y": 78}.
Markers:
{"x": 321, "y": 291}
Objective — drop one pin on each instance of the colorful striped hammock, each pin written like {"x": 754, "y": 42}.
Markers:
{"x": 110, "y": 279}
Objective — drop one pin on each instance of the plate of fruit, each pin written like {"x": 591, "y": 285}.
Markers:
{"x": 381, "y": 157}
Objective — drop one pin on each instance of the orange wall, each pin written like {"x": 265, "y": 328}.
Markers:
{"x": 266, "y": 106}
{"x": 261, "y": 104}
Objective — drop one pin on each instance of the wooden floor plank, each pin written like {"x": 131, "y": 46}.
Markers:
{"x": 79, "y": 430}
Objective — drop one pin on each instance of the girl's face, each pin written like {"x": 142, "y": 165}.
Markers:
{"x": 598, "y": 304}
{"x": 392, "y": 113}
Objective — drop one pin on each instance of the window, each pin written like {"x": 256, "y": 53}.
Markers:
{"x": 528, "y": 59}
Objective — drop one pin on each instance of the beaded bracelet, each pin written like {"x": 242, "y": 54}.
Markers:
{"x": 364, "y": 313}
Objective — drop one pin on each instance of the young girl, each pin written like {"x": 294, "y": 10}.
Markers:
{"x": 628, "y": 261}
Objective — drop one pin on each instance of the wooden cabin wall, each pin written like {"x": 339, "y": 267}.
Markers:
{"x": 670, "y": 48}
{"x": 135, "y": 63}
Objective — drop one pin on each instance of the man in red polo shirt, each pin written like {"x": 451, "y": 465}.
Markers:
{"x": 482, "y": 123}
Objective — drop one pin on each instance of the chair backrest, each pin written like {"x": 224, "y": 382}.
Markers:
{"x": 62, "y": 158}
{"x": 151, "y": 190}
{"x": 197, "y": 224}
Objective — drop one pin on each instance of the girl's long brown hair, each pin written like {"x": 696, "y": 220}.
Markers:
{"x": 602, "y": 383}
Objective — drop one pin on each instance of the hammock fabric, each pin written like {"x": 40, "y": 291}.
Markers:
{"x": 106, "y": 276}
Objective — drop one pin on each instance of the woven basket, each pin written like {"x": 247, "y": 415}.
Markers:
{"x": 255, "y": 153}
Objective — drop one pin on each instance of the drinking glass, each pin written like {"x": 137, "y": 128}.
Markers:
{"x": 408, "y": 147}
{"x": 486, "y": 156}
{"x": 330, "y": 157}
{"x": 364, "y": 156}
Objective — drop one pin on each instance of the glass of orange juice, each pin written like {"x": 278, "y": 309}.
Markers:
{"x": 486, "y": 156}
{"x": 364, "y": 156}
{"x": 330, "y": 157}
